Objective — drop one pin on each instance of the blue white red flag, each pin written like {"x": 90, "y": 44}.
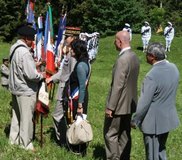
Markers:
{"x": 39, "y": 46}
{"x": 39, "y": 40}
{"x": 61, "y": 31}
{"x": 75, "y": 94}
{"x": 30, "y": 13}
{"x": 40, "y": 22}
{"x": 46, "y": 31}
{"x": 48, "y": 43}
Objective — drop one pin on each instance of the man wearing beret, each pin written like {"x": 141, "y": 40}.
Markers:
{"x": 128, "y": 29}
{"x": 146, "y": 35}
{"x": 169, "y": 35}
{"x": 23, "y": 84}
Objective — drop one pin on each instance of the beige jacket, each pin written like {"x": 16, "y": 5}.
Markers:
{"x": 122, "y": 97}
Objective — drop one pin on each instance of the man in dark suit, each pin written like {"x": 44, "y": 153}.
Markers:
{"x": 121, "y": 101}
{"x": 156, "y": 111}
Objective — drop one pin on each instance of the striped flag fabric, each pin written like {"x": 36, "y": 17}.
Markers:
{"x": 39, "y": 40}
{"x": 48, "y": 43}
{"x": 30, "y": 13}
{"x": 46, "y": 32}
{"x": 61, "y": 31}
{"x": 75, "y": 93}
{"x": 40, "y": 22}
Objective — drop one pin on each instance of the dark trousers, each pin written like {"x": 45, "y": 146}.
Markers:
{"x": 117, "y": 137}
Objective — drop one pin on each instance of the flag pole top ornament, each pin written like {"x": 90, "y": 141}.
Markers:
{"x": 75, "y": 31}
{"x": 48, "y": 3}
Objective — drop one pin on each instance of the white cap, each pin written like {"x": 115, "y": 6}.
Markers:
{"x": 146, "y": 22}
{"x": 169, "y": 23}
{"x": 126, "y": 24}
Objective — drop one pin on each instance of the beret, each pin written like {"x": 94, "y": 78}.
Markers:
{"x": 169, "y": 23}
{"x": 146, "y": 22}
{"x": 27, "y": 31}
{"x": 126, "y": 24}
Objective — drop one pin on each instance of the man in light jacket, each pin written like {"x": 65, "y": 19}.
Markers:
{"x": 156, "y": 113}
{"x": 23, "y": 85}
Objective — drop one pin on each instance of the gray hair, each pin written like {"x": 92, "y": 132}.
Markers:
{"x": 157, "y": 49}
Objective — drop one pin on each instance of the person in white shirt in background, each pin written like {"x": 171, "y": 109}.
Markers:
{"x": 146, "y": 35}
{"x": 128, "y": 29}
{"x": 169, "y": 35}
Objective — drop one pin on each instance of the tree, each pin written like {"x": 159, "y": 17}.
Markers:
{"x": 10, "y": 17}
{"x": 103, "y": 16}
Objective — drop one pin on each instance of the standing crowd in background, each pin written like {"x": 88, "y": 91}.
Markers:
{"x": 146, "y": 33}
{"x": 155, "y": 112}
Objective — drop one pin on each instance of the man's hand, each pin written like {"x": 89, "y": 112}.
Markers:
{"x": 44, "y": 74}
{"x": 108, "y": 113}
{"x": 48, "y": 80}
{"x": 80, "y": 108}
{"x": 133, "y": 125}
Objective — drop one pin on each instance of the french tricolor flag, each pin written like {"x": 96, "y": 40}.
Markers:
{"x": 39, "y": 40}
{"x": 30, "y": 12}
{"x": 75, "y": 94}
{"x": 48, "y": 43}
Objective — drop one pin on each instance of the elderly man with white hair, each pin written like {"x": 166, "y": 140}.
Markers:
{"x": 169, "y": 35}
{"x": 146, "y": 35}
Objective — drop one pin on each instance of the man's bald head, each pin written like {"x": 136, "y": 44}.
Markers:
{"x": 122, "y": 40}
{"x": 123, "y": 36}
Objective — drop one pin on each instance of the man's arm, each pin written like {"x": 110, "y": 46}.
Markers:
{"x": 118, "y": 81}
{"x": 29, "y": 68}
{"x": 146, "y": 97}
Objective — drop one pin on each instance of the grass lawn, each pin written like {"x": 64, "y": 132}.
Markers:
{"x": 98, "y": 89}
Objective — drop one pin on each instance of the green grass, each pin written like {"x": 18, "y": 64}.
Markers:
{"x": 98, "y": 89}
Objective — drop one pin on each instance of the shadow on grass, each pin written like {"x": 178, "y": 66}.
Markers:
{"x": 7, "y": 130}
{"x": 99, "y": 152}
{"x": 140, "y": 48}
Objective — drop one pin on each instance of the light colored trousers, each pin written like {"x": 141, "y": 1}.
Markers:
{"x": 21, "y": 130}
{"x": 168, "y": 42}
{"x": 145, "y": 42}
{"x": 59, "y": 122}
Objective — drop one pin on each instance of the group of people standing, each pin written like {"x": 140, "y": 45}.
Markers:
{"x": 155, "y": 112}
{"x": 146, "y": 34}
{"x": 23, "y": 85}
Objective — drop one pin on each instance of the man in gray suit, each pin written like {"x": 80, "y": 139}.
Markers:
{"x": 156, "y": 112}
{"x": 121, "y": 101}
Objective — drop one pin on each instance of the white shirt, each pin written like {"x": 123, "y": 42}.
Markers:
{"x": 123, "y": 50}
{"x": 169, "y": 32}
{"x": 146, "y": 32}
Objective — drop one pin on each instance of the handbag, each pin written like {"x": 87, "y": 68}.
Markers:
{"x": 79, "y": 132}
{"x": 43, "y": 95}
